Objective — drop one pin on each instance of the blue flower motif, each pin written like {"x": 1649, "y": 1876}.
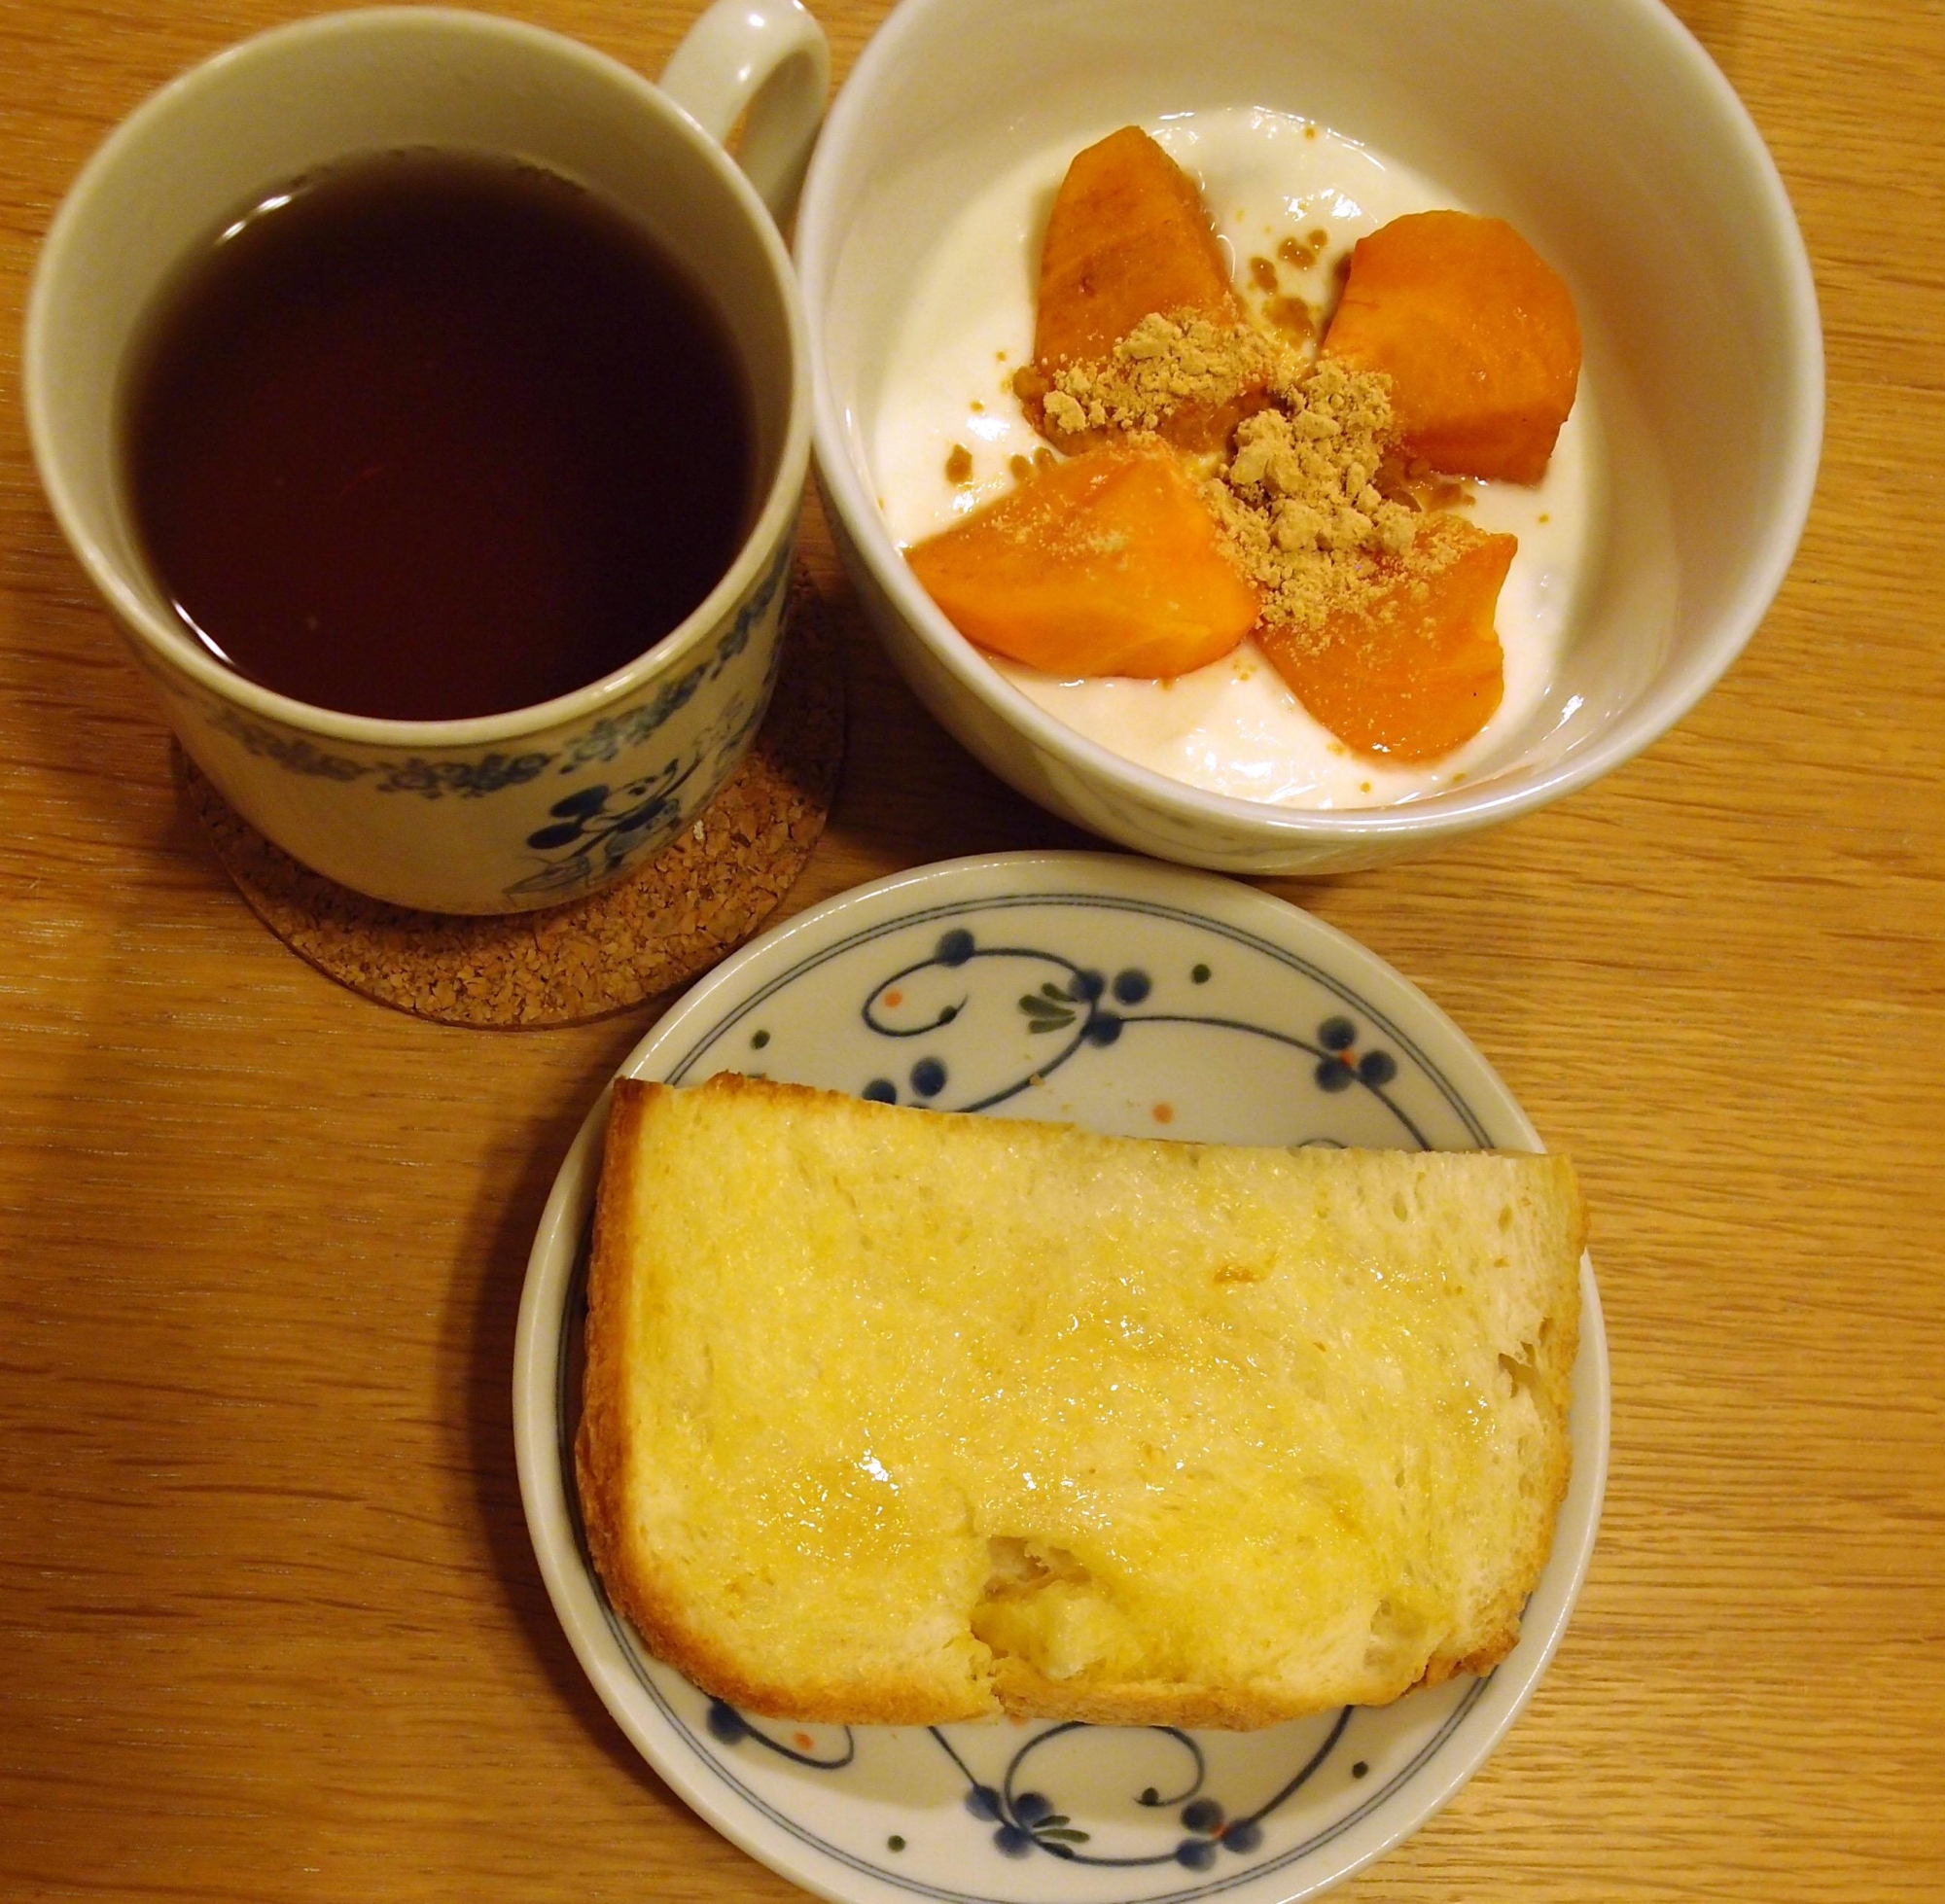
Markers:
{"x": 575, "y": 812}
{"x": 1027, "y": 1821}
{"x": 294, "y": 756}
{"x": 601, "y": 827}
{"x": 737, "y": 637}
{"x": 1342, "y": 1066}
{"x": 469, "y": 780}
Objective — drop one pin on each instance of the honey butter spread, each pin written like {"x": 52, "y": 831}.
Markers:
{"x": 904, "y": 1417}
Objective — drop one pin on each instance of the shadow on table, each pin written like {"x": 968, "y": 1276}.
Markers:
{"x": 499, "y": 1237}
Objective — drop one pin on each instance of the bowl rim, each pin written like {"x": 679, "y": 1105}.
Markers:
{"x": 779, "y": 500}
{"x": 1773, "y": 228}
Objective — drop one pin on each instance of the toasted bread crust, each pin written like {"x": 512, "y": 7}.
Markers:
{"x": 601, "y": 1442}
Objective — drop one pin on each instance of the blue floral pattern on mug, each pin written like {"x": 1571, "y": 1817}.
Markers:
{"x": 599, "y": 743}
{"x": 467, "y": 778}
{"x": 594, "y": 831}
{"x": 602, "y": 827}
{"x": 634, "y": 776}
{"x": 292, "y": 753}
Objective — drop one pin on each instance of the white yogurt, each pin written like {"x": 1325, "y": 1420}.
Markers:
{"x": 1232, "y": 727}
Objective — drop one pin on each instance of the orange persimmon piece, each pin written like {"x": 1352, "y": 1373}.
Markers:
{"x": 1477, "y": 333}
{"x": 1127, "y": 236}
{"x": 1109, "y": 563}
{"x": 1416, "y": 671}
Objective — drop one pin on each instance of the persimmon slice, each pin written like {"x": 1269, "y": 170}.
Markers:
{"x": 1415, "y": 669}
{"x": 1477, "y": 333}
{"x": 1127, "y": 236}
{"x": 1106, "y": 564}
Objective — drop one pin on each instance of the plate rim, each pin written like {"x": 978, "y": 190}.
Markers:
{"x": 802, "y": 1859}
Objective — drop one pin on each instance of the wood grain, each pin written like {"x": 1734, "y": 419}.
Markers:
{"x": 269, "y": 1624}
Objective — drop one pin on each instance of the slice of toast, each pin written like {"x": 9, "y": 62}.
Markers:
{"x": 896, "y": 1416}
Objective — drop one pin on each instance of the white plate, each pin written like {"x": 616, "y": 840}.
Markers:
{"x": 1132, "y": 999}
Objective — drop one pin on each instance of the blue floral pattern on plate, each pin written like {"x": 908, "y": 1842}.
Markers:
{"x": 1084, "y": 1006}
{"x": 1130, "y": 999}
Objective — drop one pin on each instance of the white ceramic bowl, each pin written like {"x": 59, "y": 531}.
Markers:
{"x": 1599, "y": 130}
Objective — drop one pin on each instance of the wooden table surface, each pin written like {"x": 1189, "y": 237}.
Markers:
{"x": 269, "y": 1624}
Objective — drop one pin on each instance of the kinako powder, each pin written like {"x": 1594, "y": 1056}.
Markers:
{"x": 1312, "y": 503}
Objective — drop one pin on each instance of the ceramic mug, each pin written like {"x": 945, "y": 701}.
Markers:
{"x": 513, "y": 810}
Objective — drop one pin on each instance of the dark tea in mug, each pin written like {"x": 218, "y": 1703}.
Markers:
{"x": 431, "y": 435}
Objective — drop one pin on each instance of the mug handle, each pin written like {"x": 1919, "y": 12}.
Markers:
{"x": 726, "y": 63}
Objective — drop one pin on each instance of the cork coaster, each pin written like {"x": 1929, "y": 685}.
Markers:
{"x": 676, "y": 916}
